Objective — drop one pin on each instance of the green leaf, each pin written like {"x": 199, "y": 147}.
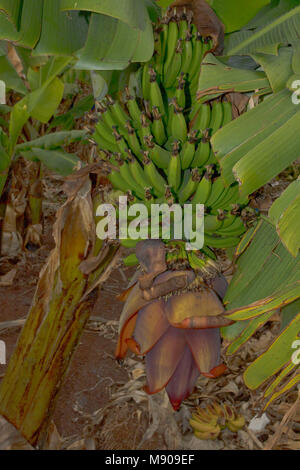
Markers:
{"x": 217, "y": 77}
{"x": 52, "y": 141}
{"x": 116, "y": 46}
{"x": 9, "y": 75}
{"x": 12, "y": 9}
{"x": 262, "y": 269}
{"x": 274, "y": 358}
{"x": 278, "y": 300}
{"x": 60, "y": 162}
{"x": 52, "y": 96}
{"x": 255, "y": 132}
{"x": 249, "y": 331}
{"x": 4, "y": 159}
{"x": 285, "y": 214}
{"x": 278, "y": 68}
{"x": 62, "y": 33}
{"x": 269, "y": 157}
{"x": 21, "y": 111}
{"x": 290, "y": 384}
{"x": 132, "y": 12}
{"x": 281, "y": 30}
{"x": 235, "y": 14}
{"x": 28, "y": 33}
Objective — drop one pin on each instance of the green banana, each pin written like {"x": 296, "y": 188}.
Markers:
{"x": 157, "y": 154}
{"x": 216, "y": 192}
{"x": 146, "y": 81}
{"x": 174, "y": 169}
{"x": 158, "y": 128}
{"x": 216, "y": 117}
{"x": 133, "y": 141}
{"x": 212, "y": 224}
{"x": 180, "y": 91}
{"x": 197, "y": 57}
{"x": 220, "y": 242}
{"x": 227, "y": 112}
{"x": 117, "y": 181}
{"x": 187, "y": 53}
{"x": 178, "y": 123}
{"x": 190, "y": 187}
{"x": 117, "y": 111}
{"x": 171, "y": 44}
{"x": 235, "y": 229}
{"x": 155, "y": 96}
{"x": 104, "y": 131}
{"x": 103, "y": 143}
{"x": 202, "y": 120}
{"x": 203, "y": 190}
{"x": 120, "y": 141}
{"x": 138, "y": 174}
{"x": 157, "y": 181}
{"x": 202, "y": 154}
{"x": 126, "y": 174}
{"x": 188, "y": 151}
{"x": 133, "y": 109}
{"x": 172, "y": 71}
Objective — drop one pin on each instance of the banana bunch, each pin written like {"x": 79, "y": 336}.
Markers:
{"x": 157, "y": 145}
{"x": 207, "y": 423}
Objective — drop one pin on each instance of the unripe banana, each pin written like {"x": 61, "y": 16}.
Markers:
{"x": 171, "y": 43}
{"x": 117, "y": 180}
{"x": 139, "y": 174}
{"x": 216, "y": 117}
{"x": 221, "y": 242}
{"x": 180, "y": 91}
{"x": 120, "y": 141}
{"x": 107, "y": 116}
{"x": 117, "y": 111}
{"x": 146, "y": 81}
{"x": 133, "y": 141}
{"x": 212, "y": 224}
{"x": 133, "y": 108}
{"x": 155, "y": 96}
{"x": 157, "y": 181}
{"x": 197, "y": 57}
{"x": 158, "y": 128}
{"x": 174, "y": 169}
{"x": 157, "y": 154}
{"x": 185, "y": 192}
{"x": 178, "y": 123}
{"x": 105, "y": 132}
{"x": 103, "y": 143}
{"x": 202, "y": 154}
{"x": 172, "y": 70}
{"x": 203, "y": 190}
{"x": 188, "y": 151}
{"x": 187, "y": 53}
{"x": 227, "y": 112}
{"x": 235, "y": 229}
{"x": 202, "y": 120}
{"x": 216, "y": 192}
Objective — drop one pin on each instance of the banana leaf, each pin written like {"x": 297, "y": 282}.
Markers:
{"x": 282, "y": 30}
{"x": 285, "y": 214}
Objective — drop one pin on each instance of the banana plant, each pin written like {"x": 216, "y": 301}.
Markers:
{"x": 24, "y": 135}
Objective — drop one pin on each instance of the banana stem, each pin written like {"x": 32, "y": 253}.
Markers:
{"x": 62, "y": 304}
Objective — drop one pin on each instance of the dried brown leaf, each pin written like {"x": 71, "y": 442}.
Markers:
{"x": 207, "y": 22}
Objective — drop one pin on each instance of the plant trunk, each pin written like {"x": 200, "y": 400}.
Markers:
{"x": 61, "y": 306}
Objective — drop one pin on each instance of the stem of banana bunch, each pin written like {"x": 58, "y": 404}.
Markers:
{"x": 64, "y": 299}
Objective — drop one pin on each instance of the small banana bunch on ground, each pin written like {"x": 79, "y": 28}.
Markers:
{"x": 208, "y": 423}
